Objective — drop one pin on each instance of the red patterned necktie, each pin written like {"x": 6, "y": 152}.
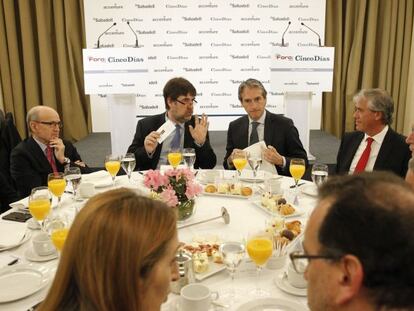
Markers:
{"x": 363, "y": 160}
{"x": 49, "y": 155}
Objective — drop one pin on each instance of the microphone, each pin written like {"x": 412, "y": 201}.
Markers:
{"x": 283, "y": 36}
{"x": 319, "y": 37}
{"x": 135, "y": 34}
{"x": 97, "y": 43}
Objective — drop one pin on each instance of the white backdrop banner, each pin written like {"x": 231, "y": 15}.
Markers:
{"x": 214, "y": 44}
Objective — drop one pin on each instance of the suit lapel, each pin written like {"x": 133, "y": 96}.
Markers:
{"x": 38, "y": 154}
{"x": 353, "y": 146}
{"x": 385, "y": 149}
{"x": 268, "y": 130}
{"x": 244, "y": 138}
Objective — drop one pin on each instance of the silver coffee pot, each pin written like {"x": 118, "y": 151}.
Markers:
{"x": 185, "y": 270}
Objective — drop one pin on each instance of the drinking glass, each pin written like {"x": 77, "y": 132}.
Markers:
{"x": 259, "y": 249}
{"x": 319, "y": 173}
{"x": 73, "y": 176}
{"x": 112, "y": 165}
{"x": 239, "y": 161}
{"x": 56, "y": 183}
{"x": 174, "y": 157}
{"x": 255, "y": 162}
{"x": 39, "y": 204}
{"x": 189, "y": 157}
{"x": 297, "y": 169}
{"x": 58, "y": 229}
{"x": 128, "y": 164}
{"x": 233, "y": 254}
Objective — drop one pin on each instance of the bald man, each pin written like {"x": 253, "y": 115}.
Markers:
{"x": 43, "y": 152}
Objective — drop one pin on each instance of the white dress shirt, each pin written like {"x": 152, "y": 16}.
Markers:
{"x": 375, "y": 147}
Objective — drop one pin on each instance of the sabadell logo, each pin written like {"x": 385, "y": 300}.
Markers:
{"x": 301, "y": 58}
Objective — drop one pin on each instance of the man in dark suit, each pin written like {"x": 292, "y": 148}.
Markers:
{"x": 374, "y": 146}
{"x": 278, "y": 132}
{"x": 179, "y": 97}
{"x": 43, "y": 152}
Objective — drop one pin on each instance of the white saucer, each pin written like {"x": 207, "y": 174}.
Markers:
{"x": 283, "y": 284}
{"x": 32, "y": 256}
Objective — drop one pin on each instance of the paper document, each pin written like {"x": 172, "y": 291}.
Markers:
{"x": 165, "y": 130}
{"x": 256, "y": 150}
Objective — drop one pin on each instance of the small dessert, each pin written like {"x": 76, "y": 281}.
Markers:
{"x": 246, "y": 191}
{"x": 294, "y": 226}
{"x": 235, "y": 189}
{"x": 288, "y": 234}
{"x": 200, "y": 262}
{"x": 210, "y": 189}
{"x": 217, "y": 256}
{"x": 286, "y": 209}
{"x": 223, "y": 188}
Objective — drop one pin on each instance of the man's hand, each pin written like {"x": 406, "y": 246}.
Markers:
{"x": 80, "y": 163}
{"x": 59, "y": 147}
{"x": 271, "y": 155}
{"x": 199, "y": 131}
{"x": 151, "y": 142}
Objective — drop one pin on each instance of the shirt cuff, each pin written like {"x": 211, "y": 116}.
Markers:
{"x": 284, "y": 162}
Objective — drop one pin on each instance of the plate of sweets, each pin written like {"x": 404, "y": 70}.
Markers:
{"x": 277, "y": 205}
{"x": 207, "y": 259}
{"x": 228, "y": 189}
{"x": 283, "y": 232}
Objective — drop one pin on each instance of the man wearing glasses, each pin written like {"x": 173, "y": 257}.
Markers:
{"x": 278, "y": 132}
{"x": 43, "y": 152}
{"x": 190, "y": 131}
{"x": 358, "y": 245}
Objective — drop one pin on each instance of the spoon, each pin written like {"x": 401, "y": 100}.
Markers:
{"x": 224, "y": 214}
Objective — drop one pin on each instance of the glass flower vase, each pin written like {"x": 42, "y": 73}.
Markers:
{"x": 185, "y": 210}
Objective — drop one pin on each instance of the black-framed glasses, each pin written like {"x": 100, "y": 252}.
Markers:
{"x": 187, "y": 101}
{"x": 51, "y": 123}
{"x": 301, "y": 260}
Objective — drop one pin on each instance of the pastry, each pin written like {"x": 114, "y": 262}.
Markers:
{"x": 210, "y": 189}
{"x": 246, "y": 191}
{"x": 223, "y": 188}
{"x": 200, "y": 262}
{"x": 286, "y": 209}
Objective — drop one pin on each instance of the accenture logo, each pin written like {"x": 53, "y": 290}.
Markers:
{"x": 210, "y": 31}
{"x": 114, "y": 6}
{"x": 211, "y": 56}
{"x": 250, "y": 44}
{"x": 162, "y": 19}
{"x": 165, "y": 69}
{"x": 165, "y": 44}
{"x": 250, "y": 69}
{"x": 299, "y": 6}
{"x": 253, "y": 18}
{"x": 211, "y": 81}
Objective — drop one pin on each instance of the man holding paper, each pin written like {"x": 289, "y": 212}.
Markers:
{"x": 280, "y": 136}
{"x": 176, "y": 128}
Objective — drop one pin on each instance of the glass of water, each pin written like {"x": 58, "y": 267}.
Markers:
{"x": 255, "y": 162}
{"x": 128, "y": 164}
{"x": 73, "y": 176}
{"x": 233, "y": 254}
{"x": 319, "y": 173}
{"x": 189, "y": 157}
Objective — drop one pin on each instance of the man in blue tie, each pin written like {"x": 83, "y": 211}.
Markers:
{"x": 190, "y": 131}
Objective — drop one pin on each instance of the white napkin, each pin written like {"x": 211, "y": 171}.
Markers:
{"x": 99, "y": 179}
{"x": 11, "y": 233}
{"x": 256, "y": 150}
{"x": 21, "y": 204}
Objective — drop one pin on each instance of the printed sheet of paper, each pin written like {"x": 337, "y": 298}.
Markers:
{"x": 256, "y": 150}
{"x": 165, "y": 130}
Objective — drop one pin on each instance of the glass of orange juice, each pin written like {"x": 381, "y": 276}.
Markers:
{"x": 239, "y": 160}
{"x": 112, "y": 165}
{"x": 297, "y": 169}
{"x": 39, "y": 204}
{"x": 174, "y": 157}
{"x": 58, "y": 229}
{"x": 56, "y": 183}
{"x": 259, "y": 248}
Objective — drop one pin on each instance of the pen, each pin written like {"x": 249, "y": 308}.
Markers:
{"x": 11, "y": 263}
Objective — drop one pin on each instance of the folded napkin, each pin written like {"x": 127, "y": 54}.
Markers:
{"x": 21, "y": 204}
{"x": 11, "y": 233}
{"x": 256, "y": 150}
{"x": 99, "y": 179}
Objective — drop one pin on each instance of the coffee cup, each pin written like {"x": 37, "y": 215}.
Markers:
{"x": 296, "y": 279}
{"x": 196, "y": 297}
{"x": 86, "y": 190}
{"x": 42, "y": 245}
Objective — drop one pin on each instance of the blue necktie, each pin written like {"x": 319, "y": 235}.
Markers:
{"x": 176, "y": 141}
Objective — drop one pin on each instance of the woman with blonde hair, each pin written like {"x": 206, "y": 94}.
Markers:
{"x": 119, "y": 255}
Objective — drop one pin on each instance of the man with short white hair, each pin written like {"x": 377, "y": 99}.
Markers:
{"x": 43, "y": 152}
{"x": 374, "y": 146}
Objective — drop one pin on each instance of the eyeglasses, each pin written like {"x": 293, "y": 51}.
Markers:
{"x": 51, "y": 123}
{"x": 301, "y": 260}
{"x": 187, "y": 101}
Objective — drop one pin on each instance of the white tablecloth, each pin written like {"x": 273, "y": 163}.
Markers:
{"x": 244, "y": 217}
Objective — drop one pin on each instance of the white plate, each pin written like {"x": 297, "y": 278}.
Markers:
{"x": 309, "y": 190}
{"x": 281, "y": 281}
{"x": 252, "y": 179}
{"x": 225, "y": 195}
{"x": 213, "y": 268}
{"x": 20, "y": 281}
{"x": 31, "y": 255}
{"x": 275, "y": 304}
{"x": 26, "y": 237}
{"x": 298, "y": 212}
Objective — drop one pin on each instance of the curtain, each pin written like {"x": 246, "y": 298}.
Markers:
{"x": 373, "y": 42}
{"x": 409, "y": 107}
{"x": 41, "y": 61}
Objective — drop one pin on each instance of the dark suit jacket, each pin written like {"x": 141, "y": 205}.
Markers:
{"x": 393, "y": 155}
{"x": 205, "y": 156}
{"x": 7, "y": 194}
{"x": 279, "y": 132}
{"x": 29, "y": 166}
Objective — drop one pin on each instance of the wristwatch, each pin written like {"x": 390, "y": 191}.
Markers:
{"x": 66, "y": 161}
